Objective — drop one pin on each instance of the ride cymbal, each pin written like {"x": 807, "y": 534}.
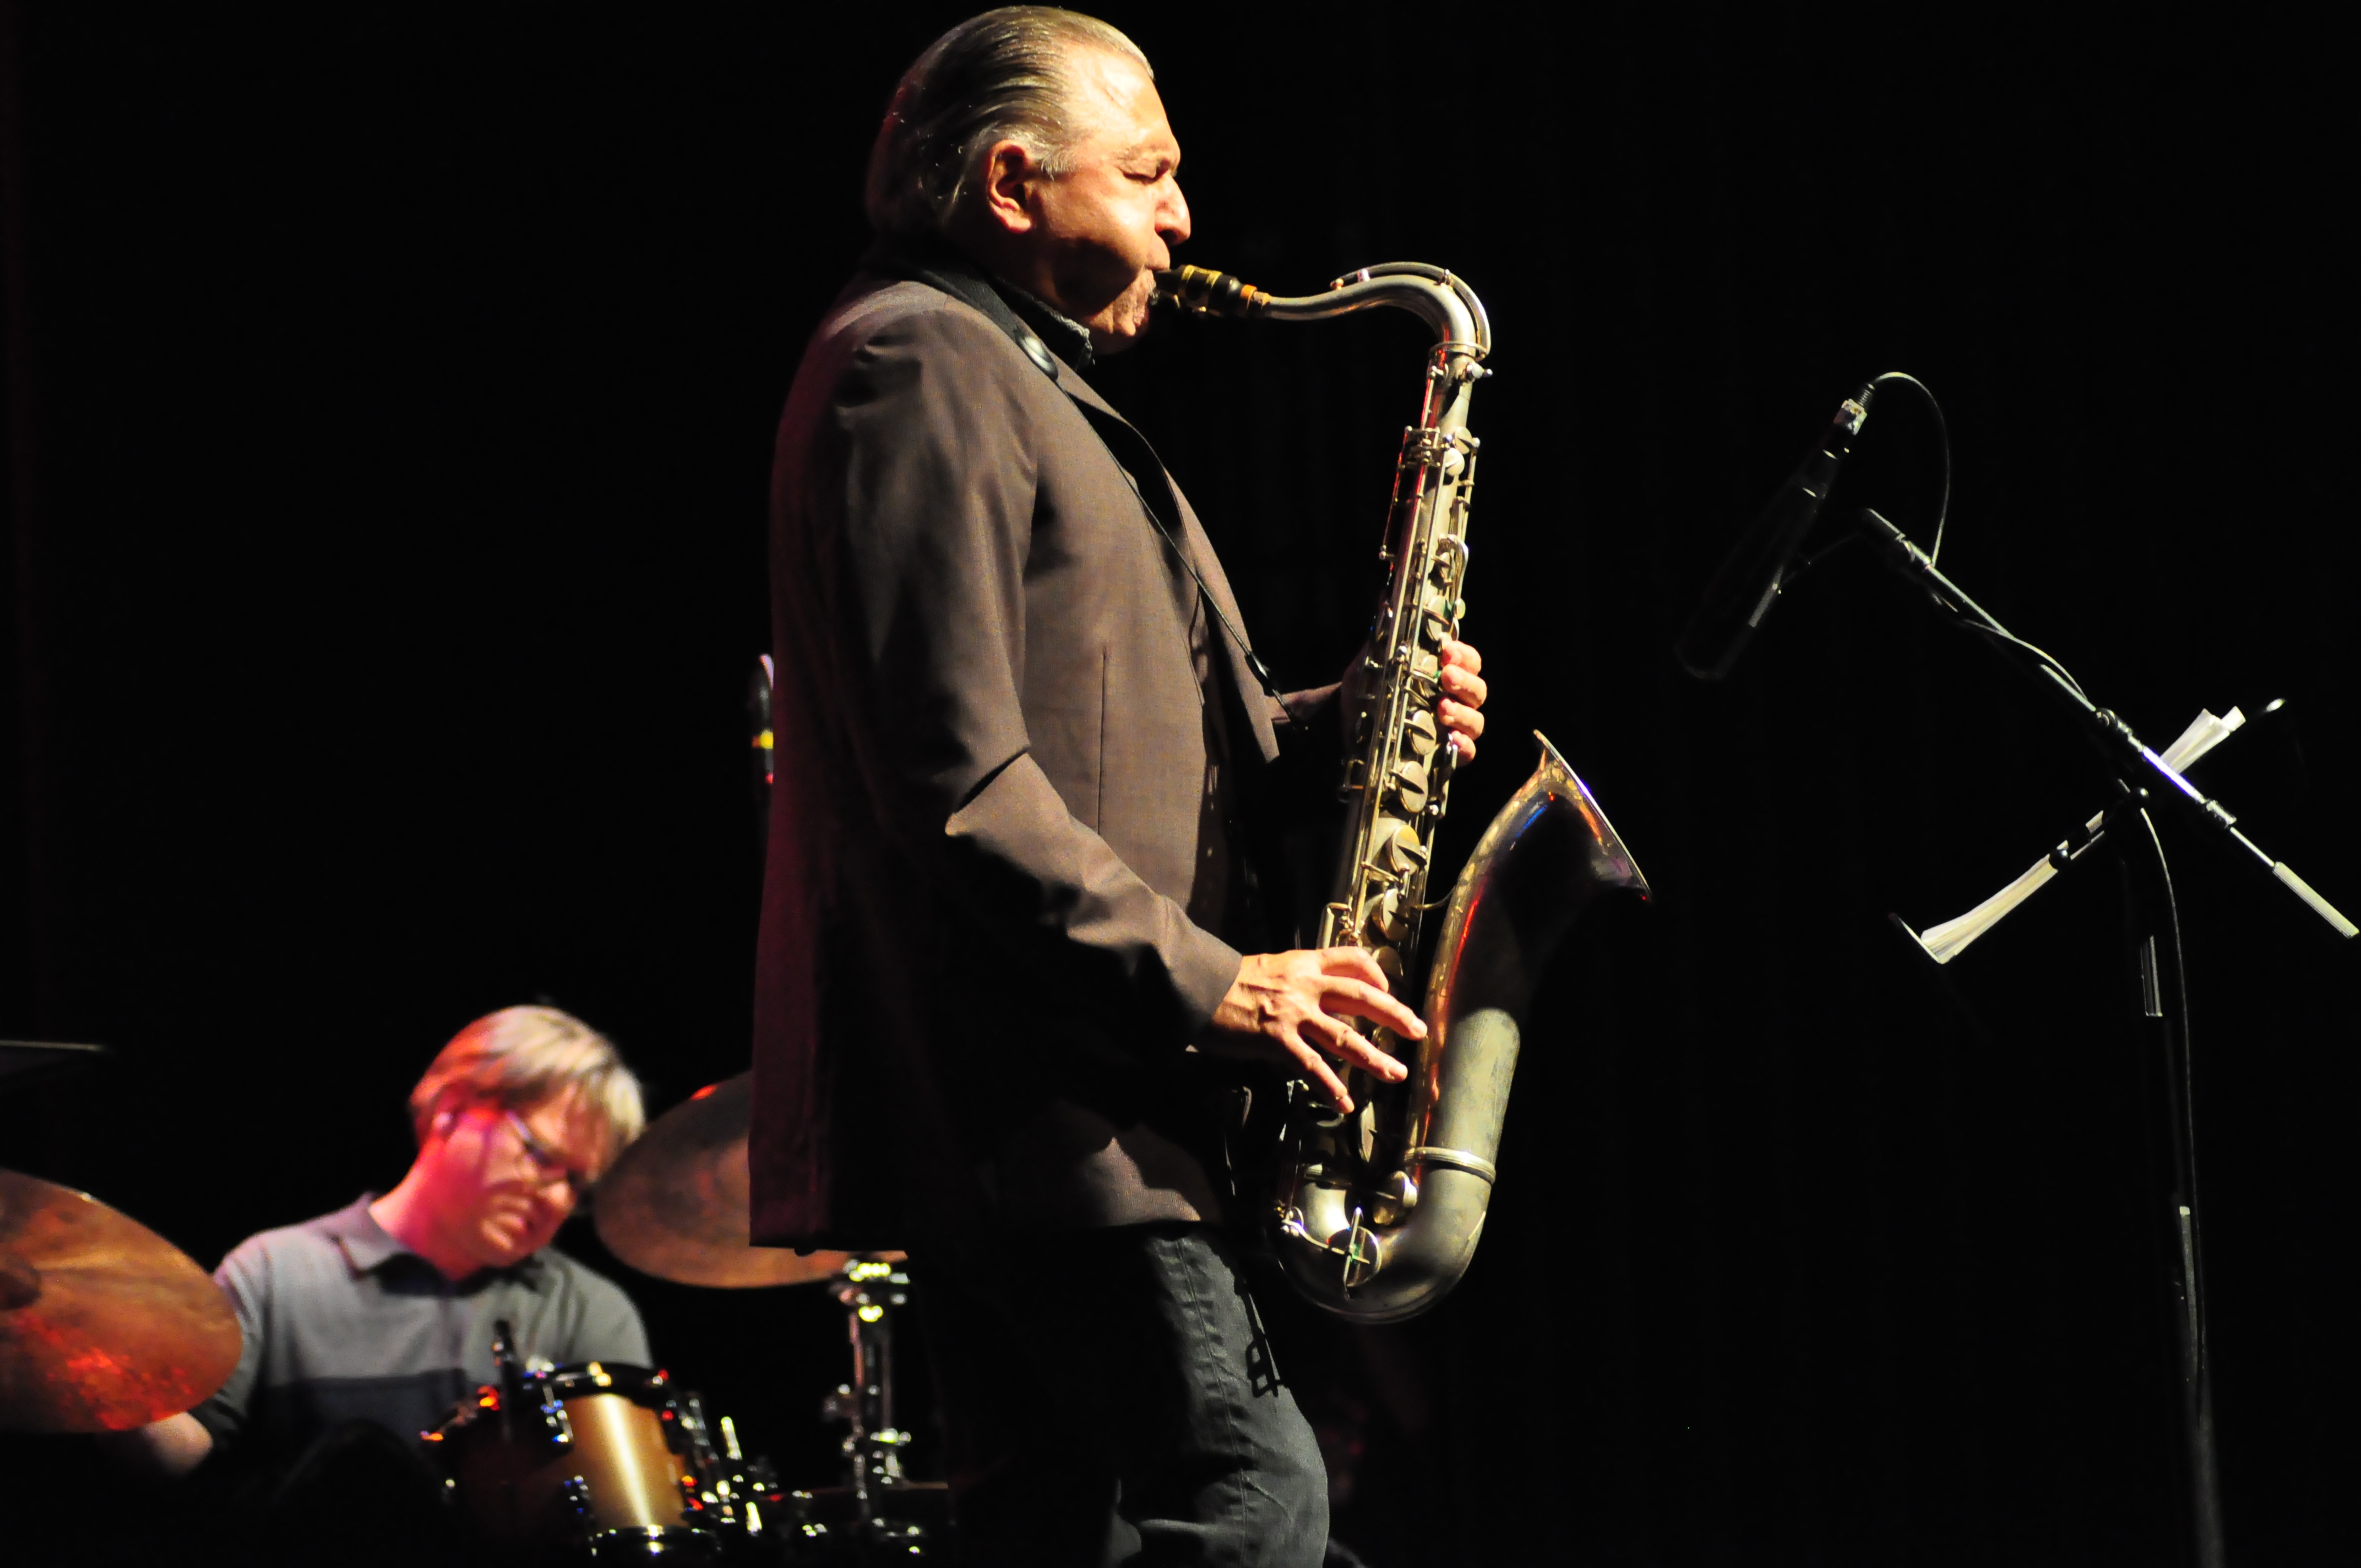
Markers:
{"x": 678, "y": 1202}
{"x": 104, "y": 1325}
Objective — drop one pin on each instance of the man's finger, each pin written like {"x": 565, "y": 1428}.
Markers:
{"x": 1458, "y": 716}
{"x": 1466, "y": 684}
{"x": 1348, "y": 1046}
{"x": 1331, "y": 1088}
{"x": 1463, "y": 655}
{"x": 1462, "y": 725}
{"x": 1376, "y": 1004}
{"x": 1354, "y": 961}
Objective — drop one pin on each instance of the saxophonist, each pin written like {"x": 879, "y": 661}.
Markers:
{"x": 1012, "y": 910}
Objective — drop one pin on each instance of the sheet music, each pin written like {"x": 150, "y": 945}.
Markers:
{"x": 1947, "y": 941}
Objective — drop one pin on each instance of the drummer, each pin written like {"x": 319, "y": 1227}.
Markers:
{"x": 367, "y": 1325}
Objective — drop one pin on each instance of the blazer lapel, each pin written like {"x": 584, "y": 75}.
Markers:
{"x": 956, "y": 277}
{"x": 1148, "y": 469}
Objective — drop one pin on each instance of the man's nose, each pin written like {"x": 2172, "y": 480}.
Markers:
{"x": 1172, "y": 217}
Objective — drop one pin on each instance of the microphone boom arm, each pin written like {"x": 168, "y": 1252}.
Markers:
{"x": 2113, "y": 737}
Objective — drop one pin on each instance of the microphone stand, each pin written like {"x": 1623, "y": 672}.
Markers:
{"x": 2163, "y": 991}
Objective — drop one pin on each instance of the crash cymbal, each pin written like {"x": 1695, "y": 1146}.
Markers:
{"x": 104, "y": 1325}
{"x": 676, "y": 1204}
{"x": 23, "y": 1063}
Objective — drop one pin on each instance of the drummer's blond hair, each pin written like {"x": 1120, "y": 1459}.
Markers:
{"x": 524, "y": 1055}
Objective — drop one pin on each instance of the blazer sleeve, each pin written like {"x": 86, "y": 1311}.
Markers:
{"x": 937, "y": 481}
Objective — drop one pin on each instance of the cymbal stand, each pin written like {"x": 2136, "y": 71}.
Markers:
{"x": 868, "y": 1289}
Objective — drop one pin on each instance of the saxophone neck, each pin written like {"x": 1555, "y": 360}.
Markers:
{"x": 1434, "y": 295}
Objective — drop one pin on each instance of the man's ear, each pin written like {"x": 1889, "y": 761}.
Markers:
{"x": 1009, "y": 173}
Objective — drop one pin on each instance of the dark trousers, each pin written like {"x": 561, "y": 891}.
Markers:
{"x": 1110, "y": 1399}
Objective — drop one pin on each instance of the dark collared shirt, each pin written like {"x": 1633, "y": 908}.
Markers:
{"x": 1068, "y": 339}
{"x": 343, "y": 1321}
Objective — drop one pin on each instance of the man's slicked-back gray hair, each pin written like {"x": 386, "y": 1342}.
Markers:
{"x": 1005, "y": 75}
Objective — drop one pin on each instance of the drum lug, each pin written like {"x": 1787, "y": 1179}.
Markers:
{"x": 554, "y": 1421}
{"x": 575, "y": 1491}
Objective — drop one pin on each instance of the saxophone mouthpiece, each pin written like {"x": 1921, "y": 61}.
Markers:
{"x": 1201, "y": 291}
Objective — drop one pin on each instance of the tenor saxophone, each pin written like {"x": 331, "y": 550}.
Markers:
{"x": 1375, "y": 1215}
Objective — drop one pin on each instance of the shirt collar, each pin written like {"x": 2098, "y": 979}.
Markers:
{"x": 367, "y": 1243}
{"x": 369, "y": 1246}
{"x": 1036, "y": 327}
{"x": 1068, "y": 337}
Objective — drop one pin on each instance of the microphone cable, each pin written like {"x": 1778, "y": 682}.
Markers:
{"x": 1942, "y": 439}
{"x": 1942, "y": 506}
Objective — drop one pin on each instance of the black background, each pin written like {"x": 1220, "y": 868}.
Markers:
{"x": 390, "y": 395}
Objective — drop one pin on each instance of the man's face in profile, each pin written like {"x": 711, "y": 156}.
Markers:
{"x": 1106, "y": 225}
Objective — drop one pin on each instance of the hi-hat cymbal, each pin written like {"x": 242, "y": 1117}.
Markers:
{"x": 676, "y": 1204}
{"x": 104, "y": 1325}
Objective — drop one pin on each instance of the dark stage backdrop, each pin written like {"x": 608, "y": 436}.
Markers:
{"x": 390, "y": 395}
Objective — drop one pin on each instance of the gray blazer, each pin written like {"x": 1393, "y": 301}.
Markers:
{"x": 991, "y": 806}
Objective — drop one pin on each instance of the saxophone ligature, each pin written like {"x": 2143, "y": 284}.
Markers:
{"x": 1375, "y": 1215}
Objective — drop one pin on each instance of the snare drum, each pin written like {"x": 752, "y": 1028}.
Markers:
{"x": 594, "y": 1460}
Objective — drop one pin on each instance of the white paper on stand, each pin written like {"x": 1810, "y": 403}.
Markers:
{"x": 1948, "y": 940}
{"x": 2204, "y": 733}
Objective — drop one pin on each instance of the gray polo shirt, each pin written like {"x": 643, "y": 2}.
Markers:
{"x": 342, "y": 1321}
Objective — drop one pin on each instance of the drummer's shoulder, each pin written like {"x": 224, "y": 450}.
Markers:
{"x": 602, "y": 1310}
{"x": 574, "y": 1269}
{"x": 315, "y": 1242}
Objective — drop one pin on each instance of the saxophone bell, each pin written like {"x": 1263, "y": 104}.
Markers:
{"x": 1377, "y": 1240}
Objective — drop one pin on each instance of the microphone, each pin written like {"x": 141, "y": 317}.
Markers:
{"x": 1748, "y": 581}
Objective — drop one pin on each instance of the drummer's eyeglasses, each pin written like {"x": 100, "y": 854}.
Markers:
{"x": 547, "y": 1163}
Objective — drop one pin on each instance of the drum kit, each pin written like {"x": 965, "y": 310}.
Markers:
{"x": 676, "y": 1206}
{"x": 106, "y": 1326}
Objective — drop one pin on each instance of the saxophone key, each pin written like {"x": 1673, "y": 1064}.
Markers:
{"x": 1392, "y": 1198}
{"x": 1411, "y": 785}
{"x": 1420, "y": 734}
{"x": 1364, "y": 1252}
{"x": 1403, "y": 851}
